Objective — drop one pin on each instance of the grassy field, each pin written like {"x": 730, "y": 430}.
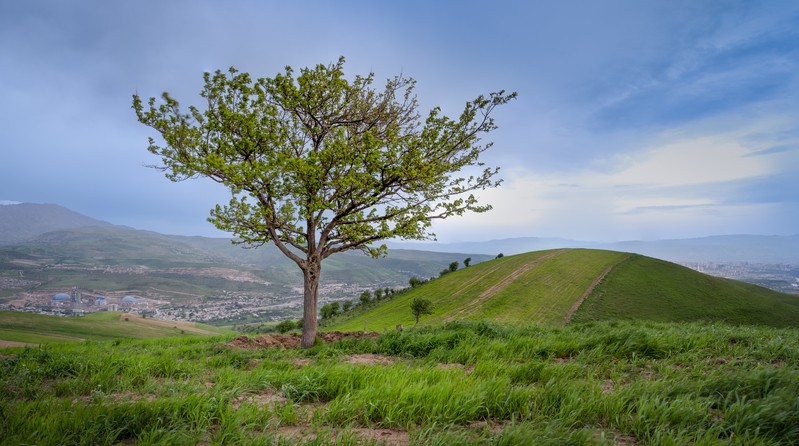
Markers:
{"x": 41, "y": 329}
{"x": 625, "y": 383}
{"x": 555, "y": 347}
{"x": 651, "y": 289}
{"x": 555, "y": 287}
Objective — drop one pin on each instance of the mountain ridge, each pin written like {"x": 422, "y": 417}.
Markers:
{"x": 24, "y": 221}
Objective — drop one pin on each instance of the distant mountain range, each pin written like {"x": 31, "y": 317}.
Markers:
{"x": 28, "y": 222}
{"x": 720, "y": 248}
{"x": 24, "y": 221}
{"x": 51, "y": 247}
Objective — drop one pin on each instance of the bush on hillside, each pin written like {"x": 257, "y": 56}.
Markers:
{"x": 285, "y": 326}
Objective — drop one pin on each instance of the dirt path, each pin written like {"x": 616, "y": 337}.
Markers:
{"x": 590, "y": 289}
{"x": 472, "y": 306}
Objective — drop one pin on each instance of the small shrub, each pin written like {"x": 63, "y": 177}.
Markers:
{"x": 285, "y": 326}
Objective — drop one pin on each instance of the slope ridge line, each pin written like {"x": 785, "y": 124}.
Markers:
{"x": 591, "y": 289}
{"x": 502, "y": 284}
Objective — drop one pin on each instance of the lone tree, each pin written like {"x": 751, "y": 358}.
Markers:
{"x": 318, "y": 164}
{"x": 420, "y": 307}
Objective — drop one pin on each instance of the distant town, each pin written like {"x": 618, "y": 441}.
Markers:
{"x": 228, "y": 306}
{"x": 243, "y": 307}
{"x": 777, "y": 276}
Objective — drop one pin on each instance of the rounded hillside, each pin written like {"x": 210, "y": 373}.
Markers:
{"x": 557, "y": 287}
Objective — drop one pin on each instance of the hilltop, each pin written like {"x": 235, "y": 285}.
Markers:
{"x": 556, "y": 287}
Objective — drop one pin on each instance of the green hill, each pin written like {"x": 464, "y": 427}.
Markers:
{"x": 558, "y": 286}
{"x": 17, "y": 328}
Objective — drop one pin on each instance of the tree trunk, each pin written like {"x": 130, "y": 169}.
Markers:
{"x": 311, "y": 276}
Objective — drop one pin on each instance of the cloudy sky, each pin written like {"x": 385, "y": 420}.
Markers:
{"x": 635, "y": 119}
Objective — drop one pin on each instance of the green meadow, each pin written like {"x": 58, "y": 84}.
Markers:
{"x": 561, "y": 347}
{"x": 42, "y": 329}
{"x": 598, "y": 383}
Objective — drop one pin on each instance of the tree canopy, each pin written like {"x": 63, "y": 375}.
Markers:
{"x": 319, "y": 164}
{"x": 420, "y": 307}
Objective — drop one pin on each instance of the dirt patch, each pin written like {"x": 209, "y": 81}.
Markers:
{"x": 618, "y": 438}
{"x": 494, "y": 427}
{"x": 388, "y": 437}
{"x": 334, "y": 336}
{"x": 301, "y": 362}
{"x": 266, "y": 398}
{"x": 268, "y": 341}
{"x": 456, "y": 366}
{"x": 369, "y": 359}
{"x": 119, "y": 397}
{"x": 293, "y": 340}
{"x": 646, "y": 373}
{"x": 16, "y": 344}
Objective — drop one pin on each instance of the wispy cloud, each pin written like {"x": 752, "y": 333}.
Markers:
{"x": 773, "y": 150}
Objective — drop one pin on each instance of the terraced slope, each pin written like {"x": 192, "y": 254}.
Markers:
{"x": 539, "y": 287}
{"x": 556, "y": 287}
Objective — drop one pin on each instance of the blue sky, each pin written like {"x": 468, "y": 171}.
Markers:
{"x": 635, "y": 119}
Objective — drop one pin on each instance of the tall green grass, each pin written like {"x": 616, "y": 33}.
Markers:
{"x": 470, "y": 382}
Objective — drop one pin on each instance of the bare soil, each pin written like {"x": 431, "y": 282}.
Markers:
{"x": 455, "y": 366}
{"x": 388, "y": 437}
{"x": 369, "y": 359}
{"x": 16, "y": 344}
{"x": 267, "y": 397}
{"x": 293, "y": 340}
